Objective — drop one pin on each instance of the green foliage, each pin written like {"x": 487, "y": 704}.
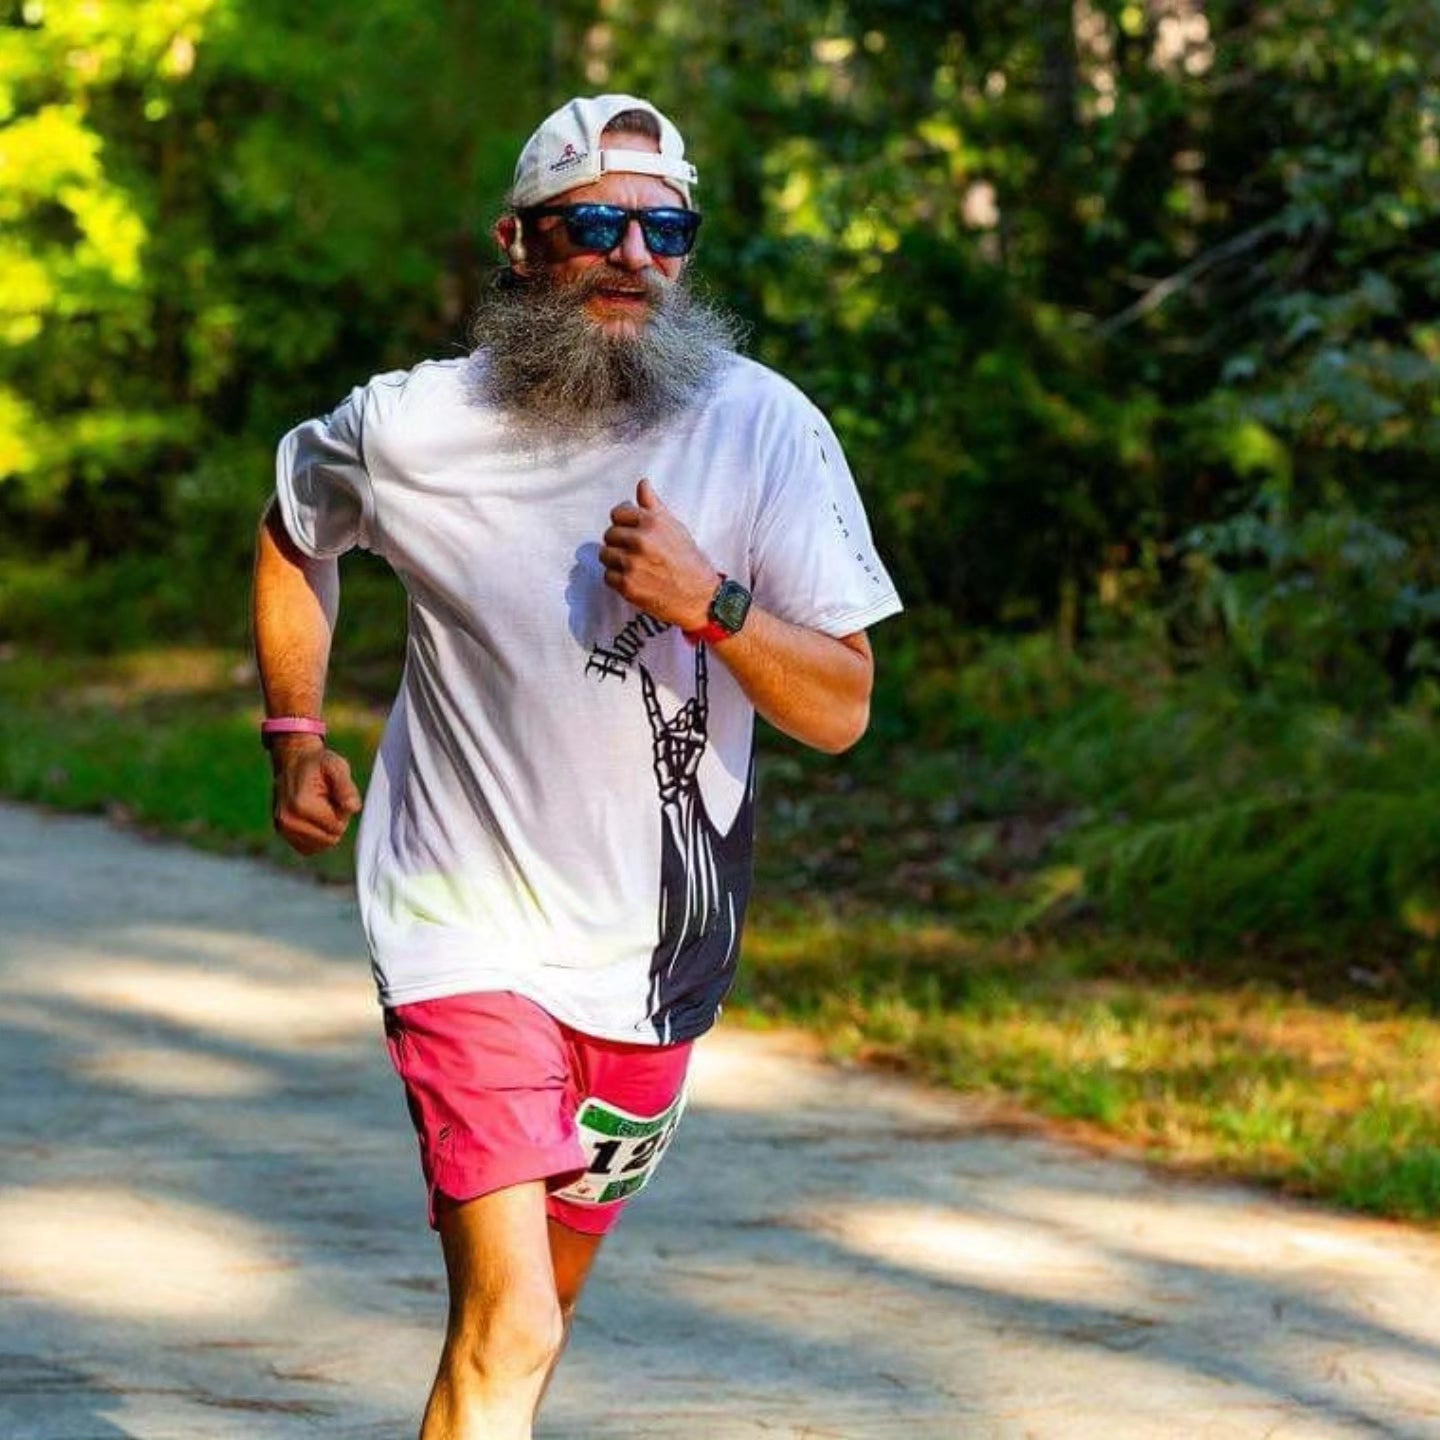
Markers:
{"x": 1321, "y": 864}
{"x": 215, "y": 212}
{"x": 1073, "y": 279}
{"x": 1031, "y": 786}
{"x": 1330, "y": 605}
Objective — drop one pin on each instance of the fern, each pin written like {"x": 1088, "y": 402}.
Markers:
{"x": 1319, "y": 862}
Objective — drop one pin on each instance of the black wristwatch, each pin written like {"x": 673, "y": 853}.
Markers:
{"x": 729, "y": 606}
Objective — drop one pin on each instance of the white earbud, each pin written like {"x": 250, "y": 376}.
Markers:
{"x": 517, "y": 249}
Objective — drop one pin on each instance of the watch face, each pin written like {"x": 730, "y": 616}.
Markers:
{"x": 730, "y": 606}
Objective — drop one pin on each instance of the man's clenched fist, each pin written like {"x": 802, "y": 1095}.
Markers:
{"x": 654, "y": 562}
{"x": 314, "y": 795}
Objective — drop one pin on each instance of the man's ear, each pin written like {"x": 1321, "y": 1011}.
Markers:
{"x": 509, "y": 236}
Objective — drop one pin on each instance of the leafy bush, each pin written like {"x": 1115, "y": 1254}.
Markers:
{"x": 1326, "y": 605}
{"x": 1197, "y": 811}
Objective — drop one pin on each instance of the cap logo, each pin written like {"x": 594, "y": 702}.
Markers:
{"x": 569, "y": 156}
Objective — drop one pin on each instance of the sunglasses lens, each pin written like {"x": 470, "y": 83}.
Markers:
{"x": 669, "y": 232}
{"x": 595, "y": 227}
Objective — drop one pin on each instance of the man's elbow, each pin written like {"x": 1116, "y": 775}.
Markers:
{"x": 845, "y": 731}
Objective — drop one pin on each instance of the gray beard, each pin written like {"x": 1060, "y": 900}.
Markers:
{"x": 559, "y": 376}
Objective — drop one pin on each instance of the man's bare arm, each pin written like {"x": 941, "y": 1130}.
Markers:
{"x": 814, "y": 687}
{"x": 296, "y": 600}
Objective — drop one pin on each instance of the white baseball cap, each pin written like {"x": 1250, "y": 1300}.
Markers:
{"x": 565, "y": 151}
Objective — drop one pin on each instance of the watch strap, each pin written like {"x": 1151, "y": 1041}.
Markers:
{"x": 712, "y": 632}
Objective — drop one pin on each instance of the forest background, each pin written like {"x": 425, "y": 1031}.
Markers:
{"x": 1128, "y": 314}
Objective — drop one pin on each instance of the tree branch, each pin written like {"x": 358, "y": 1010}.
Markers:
{"x": 1162, "y": 290}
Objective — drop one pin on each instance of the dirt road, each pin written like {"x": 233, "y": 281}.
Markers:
{"x": 211, "y": 1222}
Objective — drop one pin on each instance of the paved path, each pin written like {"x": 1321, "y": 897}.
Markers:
{"x": 210, "y": 1223}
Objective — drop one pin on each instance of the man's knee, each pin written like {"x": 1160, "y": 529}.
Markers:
{"x": 516, "y": 1336}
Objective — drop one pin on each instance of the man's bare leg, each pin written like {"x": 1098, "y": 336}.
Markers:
{"x": 571, "y": 1256}
{"x": 506, "y": 1325}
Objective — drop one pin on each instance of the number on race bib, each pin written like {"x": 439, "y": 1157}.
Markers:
{"x": 621, "y": 1150}
{"x": 605, "y": 1151}
{"x": 640, "y": 1156}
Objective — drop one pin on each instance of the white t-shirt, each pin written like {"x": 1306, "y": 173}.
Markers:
{"x": 562, "y": 801}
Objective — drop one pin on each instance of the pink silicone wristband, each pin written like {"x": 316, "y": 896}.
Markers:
{"x": 289, "y": 725}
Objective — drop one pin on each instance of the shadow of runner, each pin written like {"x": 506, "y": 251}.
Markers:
{"x": 40, "y": 1397}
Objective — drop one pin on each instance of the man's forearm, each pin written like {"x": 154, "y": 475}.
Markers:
{"x": 814, "y": 687}
{"x": 296, "y": 600}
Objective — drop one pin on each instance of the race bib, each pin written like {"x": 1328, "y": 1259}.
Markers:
{"x": 621, "y": 1150}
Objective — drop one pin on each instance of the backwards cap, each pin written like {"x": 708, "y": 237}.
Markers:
{"x": 565, "y": 151}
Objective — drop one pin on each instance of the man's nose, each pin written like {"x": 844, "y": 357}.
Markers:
{"x": 632, "y": 252}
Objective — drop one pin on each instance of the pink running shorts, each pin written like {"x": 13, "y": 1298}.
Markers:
{"x": 494, "y": 1082}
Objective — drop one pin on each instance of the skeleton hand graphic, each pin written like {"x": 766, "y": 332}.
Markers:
{"x": 680, "y": 742}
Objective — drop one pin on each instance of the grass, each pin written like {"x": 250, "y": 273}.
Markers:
{"x": 1121, "y": 1045}
{"x": 163, "y": 740}
{"x": 951, "y": 908}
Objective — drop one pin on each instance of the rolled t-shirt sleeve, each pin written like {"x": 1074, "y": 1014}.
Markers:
{"x": 813, "y": 560}
{"x": 321, "y": 482}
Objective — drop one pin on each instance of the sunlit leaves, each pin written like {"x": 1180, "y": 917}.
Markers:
{"x": 97, "y": 42}
{"x": 27, "y": 290}
{"x": 42, "y": 153}
{"x": 17, "y": 454}
{"x": 206, "y": 200}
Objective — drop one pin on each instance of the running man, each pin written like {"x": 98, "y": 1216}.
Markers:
{"x": 619, "y": 540}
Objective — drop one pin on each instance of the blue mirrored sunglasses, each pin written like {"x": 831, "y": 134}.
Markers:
{"x": 593, "y": 226}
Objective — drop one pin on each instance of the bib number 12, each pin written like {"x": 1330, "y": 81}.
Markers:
{"x": 621, "y": 1149}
